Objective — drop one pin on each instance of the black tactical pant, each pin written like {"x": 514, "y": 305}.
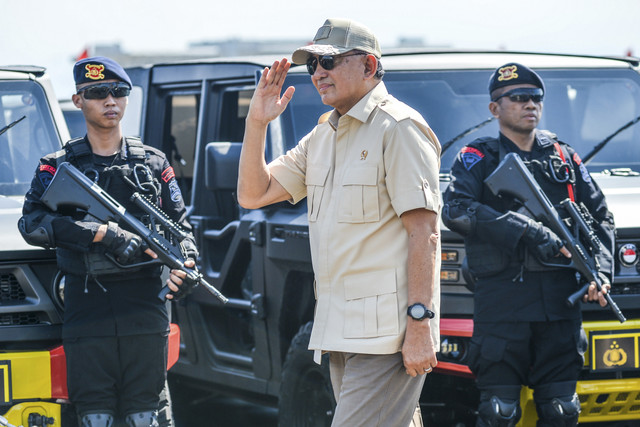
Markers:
{"x": 545, "y": 356}
{"x": 117, "y": 375}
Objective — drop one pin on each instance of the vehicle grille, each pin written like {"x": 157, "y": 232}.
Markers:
{"x": 621, "y": 401}
{"x": 19, "y": 319}
{"x": 10, "y": 289}
{"x": 625, "y": 289}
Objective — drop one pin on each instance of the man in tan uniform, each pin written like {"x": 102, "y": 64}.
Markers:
{"x": 369, "y": 172}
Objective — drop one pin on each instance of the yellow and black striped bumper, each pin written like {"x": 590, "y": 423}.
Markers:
{"x": 31, "y": 381}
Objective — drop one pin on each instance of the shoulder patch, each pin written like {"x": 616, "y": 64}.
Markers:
{"x": 583, "y": 169}
{"x": 470, "y": 156}
{"x": 577, "y": 159}
{"x": 168, "y": 174}
{"x": 45, "y": 174}
{"x": 174, "y": 190}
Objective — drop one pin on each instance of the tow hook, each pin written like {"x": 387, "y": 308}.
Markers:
{"x": 37, "y": 420}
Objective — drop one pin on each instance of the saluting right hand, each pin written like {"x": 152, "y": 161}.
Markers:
{"x": 266, "y": 104}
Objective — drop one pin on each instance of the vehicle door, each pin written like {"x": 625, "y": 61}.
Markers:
{"x": 195, "y": 113}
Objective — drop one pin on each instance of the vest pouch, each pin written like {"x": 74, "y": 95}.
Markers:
{"x": 485, "y": 259}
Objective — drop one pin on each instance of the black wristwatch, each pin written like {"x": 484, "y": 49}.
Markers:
{"x": 418, "y": 311}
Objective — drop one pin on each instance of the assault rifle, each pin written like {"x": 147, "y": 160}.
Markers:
{"x": 513, "y": 178}
{"x": 70, "y": 187}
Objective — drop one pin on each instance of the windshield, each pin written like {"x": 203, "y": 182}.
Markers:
{"x": 581, "y": 106}
{"x": 22, "y": 145}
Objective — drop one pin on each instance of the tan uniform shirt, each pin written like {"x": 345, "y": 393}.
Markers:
{"x": 360, "y": 172}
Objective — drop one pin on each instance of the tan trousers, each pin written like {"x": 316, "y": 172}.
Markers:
{"x": 374, "y": 390}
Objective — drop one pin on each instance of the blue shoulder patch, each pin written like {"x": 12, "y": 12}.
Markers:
{"x": 45, "y": 174}
{"x": 470, "y": 156}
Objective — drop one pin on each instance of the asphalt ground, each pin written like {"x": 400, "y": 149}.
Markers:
{"x": 222, "y": 411}
{"x": 225, "y": 412}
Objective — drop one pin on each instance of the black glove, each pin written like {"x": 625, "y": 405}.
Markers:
{"x": 544, "y": 243}
{"x": 189, "y": 249}
{"x": 125, "y": 246}
{"x": 186, "y": 287}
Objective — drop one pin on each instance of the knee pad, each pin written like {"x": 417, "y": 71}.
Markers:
{"x": 559, "y": 412}
{"x": 96, "y": 420}
{"x": 497, "y": 412}
{"x": 142, "y": 419}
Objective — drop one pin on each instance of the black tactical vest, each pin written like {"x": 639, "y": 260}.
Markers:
{"x": 120, "y": 180}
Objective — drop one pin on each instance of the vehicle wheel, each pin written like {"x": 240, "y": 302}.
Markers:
{"x": 306, "y": 396}
{"x": 182, "y": 398}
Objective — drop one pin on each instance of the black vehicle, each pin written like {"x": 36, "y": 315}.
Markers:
{"x": 255, "y": 347}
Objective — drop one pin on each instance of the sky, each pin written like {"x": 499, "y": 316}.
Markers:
{"x": 53, "y": 33}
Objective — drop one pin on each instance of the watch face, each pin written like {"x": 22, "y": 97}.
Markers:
{"x": 418, "y": 311}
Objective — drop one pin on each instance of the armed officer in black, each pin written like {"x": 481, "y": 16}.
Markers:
{"x": 115, "y": 327}
{"x": 524, "y": 334}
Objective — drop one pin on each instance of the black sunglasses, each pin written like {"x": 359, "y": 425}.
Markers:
{"x": 102, "y": 90}
{"x": 327, "y": 61}
{"x": 523, "y": 94}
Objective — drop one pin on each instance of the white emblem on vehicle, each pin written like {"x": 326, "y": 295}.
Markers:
{"x": 628, "y": 254}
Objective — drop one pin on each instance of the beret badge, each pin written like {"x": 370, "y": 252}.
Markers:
{"x": 94, "y": 71}
{"x": 508, "y": 73}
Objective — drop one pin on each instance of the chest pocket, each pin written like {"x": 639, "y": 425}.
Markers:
{"x": 315, "y": 180}
{"x": 359, "y": 198}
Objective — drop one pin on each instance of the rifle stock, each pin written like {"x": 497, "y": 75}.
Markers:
{"x": 512, "y": 177}
{"x": 70, "y": 187}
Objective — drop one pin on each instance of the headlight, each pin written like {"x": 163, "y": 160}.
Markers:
{"x": 449, "y": 275}
{"x": 449, "y": 256}
{"x": 453, "y": 349}
{"x": 58, "y": 290}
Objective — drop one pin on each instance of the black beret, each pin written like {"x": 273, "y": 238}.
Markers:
{"x": 514, "y": 74}
{"x": 94, "y": 69}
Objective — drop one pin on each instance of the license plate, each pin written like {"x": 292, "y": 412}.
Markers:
{"x": 5, "y": 381}
{"x": 615, "y": 352}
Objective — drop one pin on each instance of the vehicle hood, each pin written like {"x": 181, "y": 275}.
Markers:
{"x": 10, "y": 213}
{"x": 623, "y": 198}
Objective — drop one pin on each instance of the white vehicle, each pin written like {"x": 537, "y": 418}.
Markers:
{"x": 31, "y": 125}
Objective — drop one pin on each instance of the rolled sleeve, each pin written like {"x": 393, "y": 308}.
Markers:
{"x": 290, "y": 170}
{"x": 412, "y": 164}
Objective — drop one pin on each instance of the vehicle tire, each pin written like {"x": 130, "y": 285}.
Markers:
{"x": 306, "y": 396}
{"x": 183, "y": 398}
